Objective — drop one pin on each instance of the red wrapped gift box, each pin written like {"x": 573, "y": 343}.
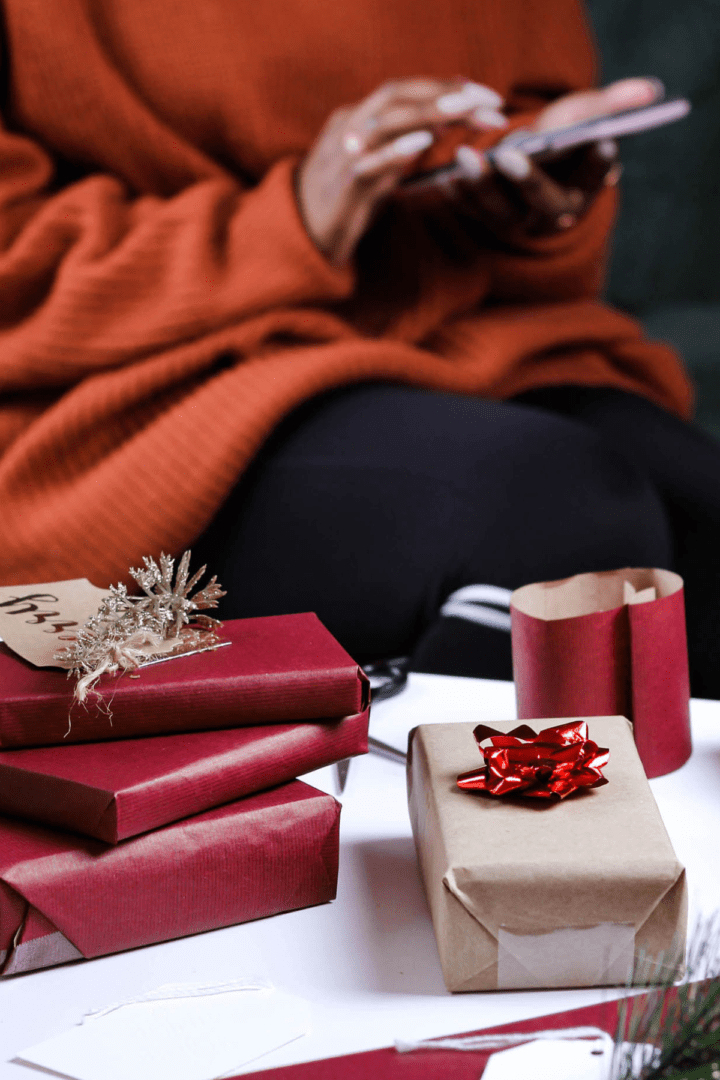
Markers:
{"x": 279, "y": 667}
{"x": 115, "y": 790}
{"x": 63, "y": 897}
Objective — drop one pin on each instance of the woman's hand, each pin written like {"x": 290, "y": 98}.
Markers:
{"x": 365, "y": 150}
{"x": 516, "y": 198}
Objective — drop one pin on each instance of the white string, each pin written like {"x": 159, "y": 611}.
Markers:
{"x": 469, "y": 1043}
{"x": 126, "y": 654}
{"x": 170, "y": 991}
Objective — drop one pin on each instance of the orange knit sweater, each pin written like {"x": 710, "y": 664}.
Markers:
{"x": 162, "y": 306}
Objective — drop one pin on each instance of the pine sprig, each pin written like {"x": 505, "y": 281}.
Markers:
{"x": 682, "y": 1021}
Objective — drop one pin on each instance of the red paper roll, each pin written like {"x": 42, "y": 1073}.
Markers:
{"x": 605, "y": 644}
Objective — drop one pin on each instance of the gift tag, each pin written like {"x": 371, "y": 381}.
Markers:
{"x": 178, "y": 1033}
{"x": 570, "y": 1059}
{"x": 552, "y": 1059}
{"x": 34, "y": 618}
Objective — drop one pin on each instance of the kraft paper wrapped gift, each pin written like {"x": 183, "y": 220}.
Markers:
{"x": 115, "y": 790}
{"x": 606, "y": 643}
{"x": 578, "y": 892}
{"x": 64, "y": 898}
{"x": 277, "y": 668}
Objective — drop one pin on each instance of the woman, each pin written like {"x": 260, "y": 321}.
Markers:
{"x": 196, "y": 258}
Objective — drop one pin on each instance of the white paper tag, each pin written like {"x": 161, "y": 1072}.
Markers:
{"x": 552, "y": 1059}
{"x": 198, "y": 1036}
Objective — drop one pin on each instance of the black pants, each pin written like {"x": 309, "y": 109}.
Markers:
{"x": 373, "y": 503}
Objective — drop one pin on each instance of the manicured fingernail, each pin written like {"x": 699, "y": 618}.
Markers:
{"x": 472, "y": 164}
{"x": 607, "y": 148}
{"x": 624, "y": 90}
{"x": 489, "y": 118}
{"x": 511, "y": 162}
{"x": 658, "y": 86}
{"x": 446, "y": 185}
{"x": 472, "y": 94}
{"x": 409, "y": 144}
{"x": 566, "y": 221}
{"x": 613, "y": 175}
{"x": 353, "y": 143}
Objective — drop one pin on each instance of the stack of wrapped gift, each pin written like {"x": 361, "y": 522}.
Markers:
{"x": 167, "y": 804}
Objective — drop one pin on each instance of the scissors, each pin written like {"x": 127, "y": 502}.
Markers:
{"x": 387, "y": 678}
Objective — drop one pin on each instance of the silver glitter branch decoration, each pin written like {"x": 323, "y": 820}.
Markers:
{"x": 130, "y": 630}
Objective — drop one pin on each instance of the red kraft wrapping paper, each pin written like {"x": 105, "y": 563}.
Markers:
{"x": 278, "y": 668}
{"x": 63, "y": 897}
{"x": 600, "y": 644}
{"x": 115, "y": 790}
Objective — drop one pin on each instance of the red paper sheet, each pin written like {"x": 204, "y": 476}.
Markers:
{"x": 387, "y": 1064}
{"x": 63, "y": 897}
{"x": 279, "y": 668}
{"x": 115, "y": 790}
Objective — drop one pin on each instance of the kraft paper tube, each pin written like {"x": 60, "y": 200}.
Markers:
{"x": 610, "y": 643}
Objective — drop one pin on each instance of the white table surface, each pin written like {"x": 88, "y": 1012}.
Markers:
{"x": 368, "y": 961}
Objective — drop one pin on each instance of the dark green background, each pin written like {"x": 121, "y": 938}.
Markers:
{"x": 665, "y": 265}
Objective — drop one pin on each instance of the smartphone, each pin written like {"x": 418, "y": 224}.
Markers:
{"x": 557, "y": 140}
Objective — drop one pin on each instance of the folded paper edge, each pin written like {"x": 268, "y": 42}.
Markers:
{"x": 523, "y": 600}
{"x": 325, "y": 856}
{"x": 642, "y": 920}
{"x": 675, "y": 962}
{"x": 668, "y": 964}
{"x": 119, "y": 815}
{"x": 42, "y": 952}
{"x": 61, "y": 785}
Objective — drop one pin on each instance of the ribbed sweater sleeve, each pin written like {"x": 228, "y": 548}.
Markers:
{"x": 92, "y": 277}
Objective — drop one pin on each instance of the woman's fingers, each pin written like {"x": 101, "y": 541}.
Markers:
{"x": 399, "y": 152}
{"x": 403, "y": 118}
{"x": 365, "y": 116}
{"x": 363, "y": 152}
{"x": 552, "y": 206}
{"x": 598, "y": 166}
{"x": 588, "y": 104}
{"x": 513, "y": 196}
{"x": 476, "y": 190}
{"x": 401, "y": 107}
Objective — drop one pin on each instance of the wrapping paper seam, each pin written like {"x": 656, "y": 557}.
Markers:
{"x": 529, "y": 961}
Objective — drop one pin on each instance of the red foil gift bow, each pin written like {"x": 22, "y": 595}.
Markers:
{"x": 551, "y": 764}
